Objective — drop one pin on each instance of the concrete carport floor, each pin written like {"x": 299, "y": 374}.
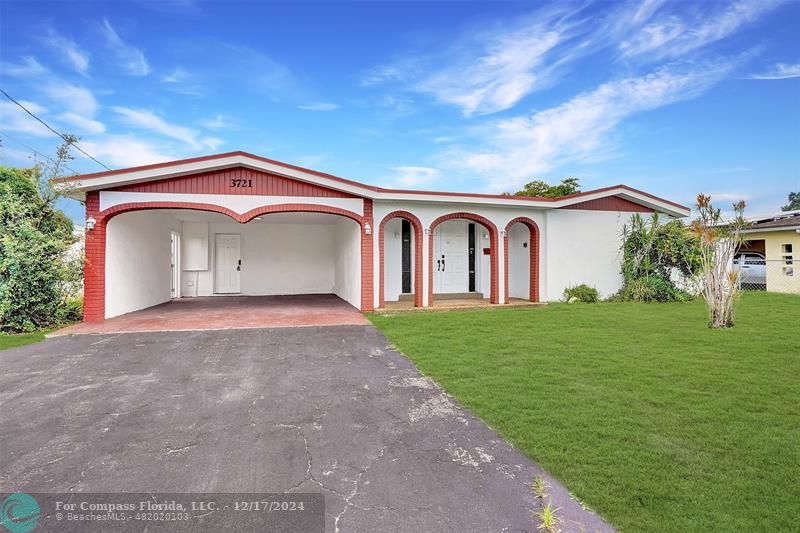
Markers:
{"x": 329, "y": 410}
{"x": 229, "y": 312}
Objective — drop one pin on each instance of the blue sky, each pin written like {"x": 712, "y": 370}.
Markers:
{"x": 675, "y": 98}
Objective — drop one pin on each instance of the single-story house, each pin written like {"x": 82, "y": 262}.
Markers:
{"x": 777, "y": 238}
{"x": 237, "y": 223}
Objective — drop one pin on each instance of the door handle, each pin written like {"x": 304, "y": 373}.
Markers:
{"x": 438, "y": 265}
{"x": 443, "y": 265}
{"x": 239, "y": 265}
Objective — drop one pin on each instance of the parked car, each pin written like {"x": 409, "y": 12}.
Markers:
{"x": 752, "y": 268}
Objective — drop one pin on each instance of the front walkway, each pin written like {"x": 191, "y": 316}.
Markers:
{"x": 328, "y": 410}
{"x": 230, "y": 312}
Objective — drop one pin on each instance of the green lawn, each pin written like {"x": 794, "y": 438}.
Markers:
{"x": 12, "y": 341}
{"x": 647, "y": 416}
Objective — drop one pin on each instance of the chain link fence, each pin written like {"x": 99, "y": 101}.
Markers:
{"x": 771, "y": 275}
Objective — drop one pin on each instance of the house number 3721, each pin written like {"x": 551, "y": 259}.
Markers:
{"x": 235, "y": 182}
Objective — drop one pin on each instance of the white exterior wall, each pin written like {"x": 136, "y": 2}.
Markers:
{"x": 584, "y": 247}
{"x": 276, "y": 259}
{"x": 138, "y": 261}
{"x": 392, "y": 259}
{"x": 347, "y": 250}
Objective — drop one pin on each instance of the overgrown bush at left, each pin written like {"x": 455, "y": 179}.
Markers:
{"x": 39, "y": 279}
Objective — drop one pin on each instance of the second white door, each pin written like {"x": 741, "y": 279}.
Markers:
{"x": 450, "y": 261}
{"x": 228, "y": 264}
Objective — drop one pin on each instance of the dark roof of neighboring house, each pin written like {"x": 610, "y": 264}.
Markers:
{"x": 786, "y": 220}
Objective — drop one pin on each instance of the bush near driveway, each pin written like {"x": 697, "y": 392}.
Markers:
{"x": 648, "y": 417}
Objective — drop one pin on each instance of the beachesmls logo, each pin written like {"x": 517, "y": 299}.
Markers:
{"x": 19, "y": 512}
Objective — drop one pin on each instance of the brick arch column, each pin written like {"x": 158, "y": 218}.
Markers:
{"x": 95, "y": 242}
{"x": 417, "y": 255}
{"x": 493, "y": 244}
{"x": 533, "y": 228}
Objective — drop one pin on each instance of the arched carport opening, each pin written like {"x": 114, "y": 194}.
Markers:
{"x": 282, "y": 249}
{"x": 521, "y": 259}
{"x": 400, "y": 271}
{"x": 444, "y": 244}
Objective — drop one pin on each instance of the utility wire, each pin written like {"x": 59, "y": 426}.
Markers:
{"x": 35, "y": 151}
{"x": 46, "y": 125}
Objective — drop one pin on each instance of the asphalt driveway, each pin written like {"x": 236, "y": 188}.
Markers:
{"x": 315, "y": 409}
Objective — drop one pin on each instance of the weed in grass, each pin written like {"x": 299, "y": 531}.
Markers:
{"x": 539, "y": 487}
{"x": 548, "y": 518}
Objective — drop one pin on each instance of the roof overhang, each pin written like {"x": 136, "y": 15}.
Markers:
{"x": 77, "y": 186}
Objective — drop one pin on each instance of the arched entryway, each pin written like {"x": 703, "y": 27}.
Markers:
{"x": 350, "y": 246}
{"x": 521, "y": 259}
{"x": 402, "y": 269}
{"x": 443, "y": 264}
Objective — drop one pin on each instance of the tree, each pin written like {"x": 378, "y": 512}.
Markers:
{"x": 794, "y": 202}
{"x": 37, "y": 276}
{"x": 651, "y": 252}
{"x": 719, "y": 239}
{"x": 540, "y": 188}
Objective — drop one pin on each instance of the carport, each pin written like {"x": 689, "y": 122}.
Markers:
{"x": 157, "y": 255}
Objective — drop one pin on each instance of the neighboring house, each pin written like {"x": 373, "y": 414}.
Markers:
{"x": 777, "y": 238}
{"x": 237, "y": 223}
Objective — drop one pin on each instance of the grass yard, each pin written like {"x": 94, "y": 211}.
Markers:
{"x": 650, "y": 418}
{"x": 13, "y": 341}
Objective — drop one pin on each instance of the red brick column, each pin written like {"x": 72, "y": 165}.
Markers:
{"x": 367, "y": 263}
{"x": 534, "y": 256}
{"x": 94, "y": 269}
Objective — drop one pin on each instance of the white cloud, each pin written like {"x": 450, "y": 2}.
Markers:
{"x": 319, "y": 106}
{"x": 28, "y": 68}
{"x": 15, "y": 119}
{"x": 176, "y": 76}
{"x": 147, "y": 120}
{"x": 74, "y": 54}
{"x": 76, "y": 98}
{"x": 670, "y": 35}
{"x": 218, "y": 122}
{"x": 125, "y": 151}
{"x": 578, "y": 129}
{"x": 512, "y": 66}
{"x": 83, "y": 124}
{"x": 132, "y": 59}
{"x": 310, "y": 160}
{"x": 410, "y": 176}
{"x": 781, "y": 71}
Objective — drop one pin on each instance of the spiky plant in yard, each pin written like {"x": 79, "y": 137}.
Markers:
{"x": 719, "y": 240}
{"x": 548, "y": 519}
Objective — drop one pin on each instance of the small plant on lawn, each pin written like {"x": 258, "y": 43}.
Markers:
{"x": 581, "y": 293}
{"x": 539, "y": 487}
{"x": 548, "y": 519}
{"x": 719, "y": 239}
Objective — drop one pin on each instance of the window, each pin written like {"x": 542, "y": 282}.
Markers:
{"x": 788, "y": 259}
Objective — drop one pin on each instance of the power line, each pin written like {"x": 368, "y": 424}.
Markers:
{"x": 46, "y": 125}
{"x": 37, "y": 152}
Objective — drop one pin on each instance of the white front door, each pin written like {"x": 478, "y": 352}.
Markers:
{"x": 228, "y": 264}
{"x": 450, "y": 261}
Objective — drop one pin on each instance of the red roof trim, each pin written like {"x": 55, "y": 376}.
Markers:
{"x": 359, "y": 184}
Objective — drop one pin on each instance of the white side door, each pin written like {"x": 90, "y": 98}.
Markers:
{"x": 228, "y": 264}
{"x": 450, "y": 262}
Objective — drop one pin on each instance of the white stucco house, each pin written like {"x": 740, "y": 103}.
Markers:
{"x": 237, "y": 223}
